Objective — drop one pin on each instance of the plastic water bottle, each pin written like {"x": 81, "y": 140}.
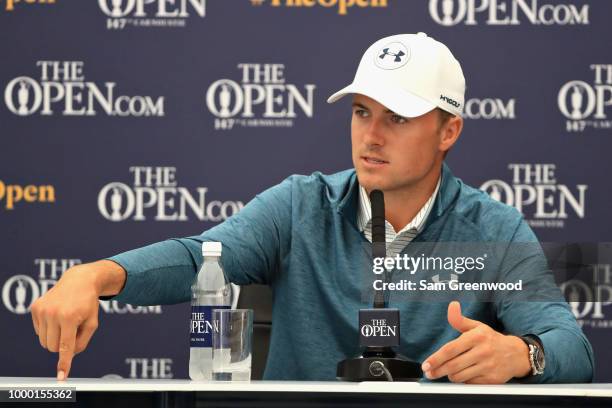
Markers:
{"x": 209, "y": 291}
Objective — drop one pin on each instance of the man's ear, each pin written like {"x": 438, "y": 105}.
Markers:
{"x": 450, "y": 133}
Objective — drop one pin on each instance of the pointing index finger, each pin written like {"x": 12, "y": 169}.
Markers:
{"x": 66, "y": 350}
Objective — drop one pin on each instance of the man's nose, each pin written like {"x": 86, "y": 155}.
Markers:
{"x": 374, "y": 135}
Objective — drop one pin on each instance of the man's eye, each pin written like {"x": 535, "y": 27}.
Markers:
{"x": 398, "y": 119}
{"x": 362, "y": 113}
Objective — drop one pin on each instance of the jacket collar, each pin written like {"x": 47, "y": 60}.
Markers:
{"x": 449, "y": 188}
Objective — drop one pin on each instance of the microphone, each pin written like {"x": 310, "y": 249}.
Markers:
{"x": 379, "y": 244}
{"x": 377, "y": 200}
{"x": 379, "y": 326}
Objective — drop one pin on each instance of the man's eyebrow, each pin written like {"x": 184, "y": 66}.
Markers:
{"x": 358, "y": 105}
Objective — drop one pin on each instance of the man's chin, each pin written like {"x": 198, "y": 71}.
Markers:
{"x": 372, "y": 182}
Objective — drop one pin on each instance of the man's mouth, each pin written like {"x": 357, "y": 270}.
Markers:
{"x": 374, "y": 160}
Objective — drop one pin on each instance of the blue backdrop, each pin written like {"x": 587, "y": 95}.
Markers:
{"x": 125, "y": 122}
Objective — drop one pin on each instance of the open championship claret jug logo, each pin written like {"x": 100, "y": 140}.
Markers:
{"x": 20, "y": 291}
{"x": 535, "y": 192}
{"x": 155, "y": 192}
{"x": 62, "y": 90}
{"x": 262, "y": 98}
{"x": 585, "y": 105}
{"x": 150, "y": 13}
{"x": 508, "y": 12}
{"x": 591, "y": 302}
{"x": 378, "y": 327}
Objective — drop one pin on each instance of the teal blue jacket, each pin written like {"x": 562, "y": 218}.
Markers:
{"x": 301, "y": 238}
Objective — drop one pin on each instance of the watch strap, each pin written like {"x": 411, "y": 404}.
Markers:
{"x": 536, "y": 353}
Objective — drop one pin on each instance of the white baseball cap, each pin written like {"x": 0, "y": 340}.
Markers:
{"x": 410, "y": 74}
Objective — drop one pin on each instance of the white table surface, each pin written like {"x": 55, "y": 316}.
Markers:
{"x": 130, "y": 385}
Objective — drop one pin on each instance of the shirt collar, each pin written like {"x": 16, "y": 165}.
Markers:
{"x": 364, "y": 211}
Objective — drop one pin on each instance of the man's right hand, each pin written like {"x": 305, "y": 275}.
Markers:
{"x": 66, "y": 317}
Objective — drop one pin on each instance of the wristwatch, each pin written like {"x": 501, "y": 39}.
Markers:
{"x": 536, "y": 354}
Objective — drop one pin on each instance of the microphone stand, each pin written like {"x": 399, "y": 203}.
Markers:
{"x": 379, "y": 362}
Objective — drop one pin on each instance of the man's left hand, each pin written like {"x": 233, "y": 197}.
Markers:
{"x": 480, "y": 355}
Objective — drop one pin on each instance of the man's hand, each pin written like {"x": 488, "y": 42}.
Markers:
{"x": 66, "y": 317}
{"x": 480, "y": 355}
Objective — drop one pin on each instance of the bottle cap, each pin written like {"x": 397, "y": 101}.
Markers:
{"x": 211, "y": 248}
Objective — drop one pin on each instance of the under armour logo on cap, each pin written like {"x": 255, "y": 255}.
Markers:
{"x": 398, "y": 56}
{"x": 392, "y": 56}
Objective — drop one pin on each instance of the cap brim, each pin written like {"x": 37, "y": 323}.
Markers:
{"x": 397, "y": 100}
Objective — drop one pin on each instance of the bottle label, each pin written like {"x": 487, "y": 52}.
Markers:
{"x": 202, "y": 325}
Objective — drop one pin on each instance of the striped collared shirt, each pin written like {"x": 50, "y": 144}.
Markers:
{"x": 396, "y": 242}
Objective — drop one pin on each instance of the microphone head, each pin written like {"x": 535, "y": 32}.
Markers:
{"x": 377, "y": 201}
{"x": 376, "y": 195}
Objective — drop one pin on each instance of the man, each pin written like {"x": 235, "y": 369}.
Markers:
{"x": 305, "y": 238}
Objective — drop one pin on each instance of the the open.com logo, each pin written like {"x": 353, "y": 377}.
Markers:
{"x": 507, "y": 12}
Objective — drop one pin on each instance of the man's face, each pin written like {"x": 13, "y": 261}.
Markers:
{"x": 391, "y": 152}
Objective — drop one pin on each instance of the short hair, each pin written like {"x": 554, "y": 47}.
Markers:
{"x": 443, "y": 117}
